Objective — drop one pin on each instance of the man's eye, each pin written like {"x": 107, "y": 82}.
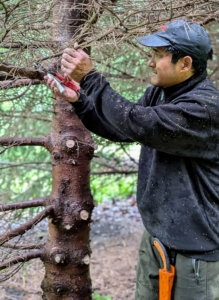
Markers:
{"x": 150, "y": 54}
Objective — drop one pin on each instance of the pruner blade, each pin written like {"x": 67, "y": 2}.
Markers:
{"x": 59, "y": 85}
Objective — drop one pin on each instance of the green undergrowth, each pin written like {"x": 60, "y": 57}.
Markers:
{"x": 99, "y": 297}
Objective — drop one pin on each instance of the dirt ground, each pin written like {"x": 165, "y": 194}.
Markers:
{"x": 115, "y": 237}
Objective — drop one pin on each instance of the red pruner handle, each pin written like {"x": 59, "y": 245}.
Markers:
{"x": 67, "y": 83}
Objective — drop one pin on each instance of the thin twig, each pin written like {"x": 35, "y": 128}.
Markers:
{"x": 25, "y": 227}
{"x": 13, "y": 142}
{"x": 114, "y": 172}
{"x": 23, "y": 247}
{"x": 23, "y": 204}
{"x": 20, "y": 259}
{"x": 19, "y": 83}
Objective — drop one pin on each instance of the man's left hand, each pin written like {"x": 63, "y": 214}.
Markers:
{"x": 76, "y": 64}
{"x": 68, "y": 94}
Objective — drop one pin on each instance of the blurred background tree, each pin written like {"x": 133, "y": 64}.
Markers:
{"x": 110, "y": 32}
{"x": 26, "y": 110}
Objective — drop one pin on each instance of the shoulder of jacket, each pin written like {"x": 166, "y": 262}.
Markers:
{"x": 206, "y": 85}
{"x": 152, "y": 90}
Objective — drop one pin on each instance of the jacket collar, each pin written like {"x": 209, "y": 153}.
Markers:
{"x": 173, "y": 92}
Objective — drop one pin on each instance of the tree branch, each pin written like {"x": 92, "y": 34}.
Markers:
{"x": 19, "y": 83}
{"x": 25, "y": 227}
{"x": 29, "y": 165}
{"x": 210, "y": 19}
{"x": 24, "y": 116}
{"x": 21, "y": 71}
{"x": 18, "y": 45}
{"x": 13, "y": 142}
{"x": 112, "y": 172}
{"x": 23, "y": 204}
{"x": 20, "y": 259}
{"x": 23, "y": 247}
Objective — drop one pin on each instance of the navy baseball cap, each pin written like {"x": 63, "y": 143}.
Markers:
{"x": 186, "y": 36}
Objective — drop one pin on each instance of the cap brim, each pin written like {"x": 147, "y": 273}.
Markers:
{"x": 152, "y": 41}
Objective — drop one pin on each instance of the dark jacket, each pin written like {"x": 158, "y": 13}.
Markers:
{"x": 178, "y": 179}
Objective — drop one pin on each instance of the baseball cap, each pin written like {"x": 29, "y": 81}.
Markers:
{"x": 186, "y": 36}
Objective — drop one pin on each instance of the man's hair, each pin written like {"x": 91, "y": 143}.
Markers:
{"x": 199, "y": 66}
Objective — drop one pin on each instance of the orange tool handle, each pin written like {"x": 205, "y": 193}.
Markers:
{"x": 166, "y": 283}
{"x": 162, "y": 253}
{"x": 166, "y": 274}
{"x": 67, "y": 83}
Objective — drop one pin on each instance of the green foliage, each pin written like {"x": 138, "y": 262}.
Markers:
{"x": 25, "y": 171}
{"x": 114, "y": 172}
{"x": 126, "y": 70}
{"x": 99, "y": 297}
{"x": 105, "y": 188}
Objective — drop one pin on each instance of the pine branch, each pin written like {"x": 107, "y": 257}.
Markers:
{"x": 29, "y": 165}
{"x": 25, "y": 227}
{"x": 23, "y": 204}
{"x": 18, "y": 45}
{"x": 21, "y": 71}
{"x": 114, "y": 172}
{"x": 23, "y": 247}
{"x": 19, "y": 83}
{"x": 24, "y": 116}
{"x": 13, "y": 142}
{"x": 20, "y": 259}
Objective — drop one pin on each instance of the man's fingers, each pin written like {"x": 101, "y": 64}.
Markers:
{"x": 69, "y": 68}
{"x": 82, "y": 53}
{"x": 68, "y": 61}
{"x": 69, "y": 53}
{"x": 53, "y": 85}
{"x": 48, "y": 80}
{"x": 68, "y": 57}
{"x": 76, "y": 46}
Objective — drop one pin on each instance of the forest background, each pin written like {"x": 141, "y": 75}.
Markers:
{"x": 109, "y": 30}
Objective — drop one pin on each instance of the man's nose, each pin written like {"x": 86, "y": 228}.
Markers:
{"x": 151, "y": 63}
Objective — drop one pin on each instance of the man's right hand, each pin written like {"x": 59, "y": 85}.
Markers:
{"x": 76, "y": 64}
{"x": 69, "y": 94}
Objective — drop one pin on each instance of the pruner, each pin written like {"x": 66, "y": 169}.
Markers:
{"x": 59, "y": 79}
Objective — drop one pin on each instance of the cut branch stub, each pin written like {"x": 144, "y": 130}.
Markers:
{"x": 86, "y": 260}
{"x": 67, "y": 213}
{"x": 70, "y": 143}
{"x": 59, "y": 256}
{"x": 84, "y": 215}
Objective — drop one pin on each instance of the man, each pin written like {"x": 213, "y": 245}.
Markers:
{"x": 177, "y": 123}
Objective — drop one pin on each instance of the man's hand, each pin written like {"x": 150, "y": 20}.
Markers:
{"x": 69, "y": 94}
{"x": 76, "y": 64}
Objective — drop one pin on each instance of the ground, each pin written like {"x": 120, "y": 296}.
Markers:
{"x": 115, "y": 238}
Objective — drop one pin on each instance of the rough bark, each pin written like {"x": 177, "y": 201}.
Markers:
{"x": 66, "y": 255}
{"x": 67, "y": 252}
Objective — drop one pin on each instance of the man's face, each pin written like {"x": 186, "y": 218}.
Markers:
{"x": 164, "y": 72}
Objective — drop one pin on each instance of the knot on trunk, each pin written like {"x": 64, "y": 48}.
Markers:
{"x": 59, "y": 256}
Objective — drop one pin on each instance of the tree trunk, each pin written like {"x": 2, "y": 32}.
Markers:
{"x": 67, "y": 252}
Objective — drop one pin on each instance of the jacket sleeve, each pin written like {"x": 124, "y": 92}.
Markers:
{"x": 89, "y": 110}
{"x": 181, "y": 128}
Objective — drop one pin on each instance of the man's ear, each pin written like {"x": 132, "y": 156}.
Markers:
{"x": 186, "y": 63}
